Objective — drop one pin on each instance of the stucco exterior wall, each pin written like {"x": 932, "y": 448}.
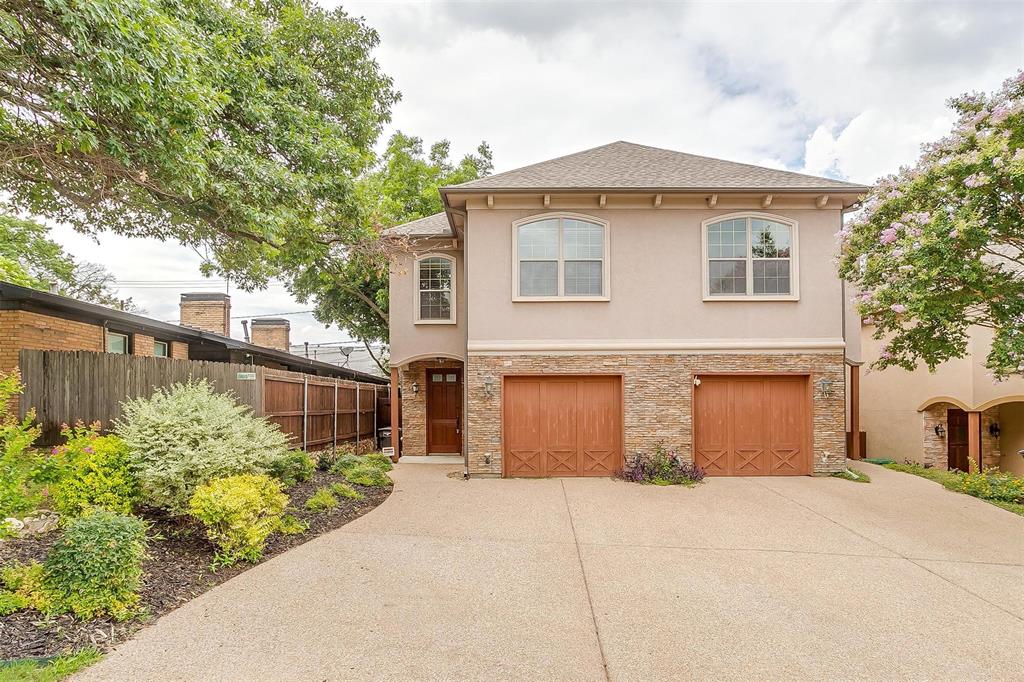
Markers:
{"x": 1011, "y": 421}
{"x": 656, "y": 285}
{"x": 409, "y": 340}
{"x": 658, "y": 398}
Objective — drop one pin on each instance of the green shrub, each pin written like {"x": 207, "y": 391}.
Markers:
{"x": 93, "y": 474}
{"x": 23, "y": 589}
{"x": 292, "y": 468}
{"x": 239, "y": 513}
{"x": 187, "y": 435}
{"x": 346, "y": 463}
{"x": 292, "y": 525}
{"x": 367, "y": 474}
{"x": 322, "y": 500}
{"x": 345, "y": 490}
{"x": 96, "y": 566}
{"x": 16, "y": 460}
{"x": 379, "y": 460}
{"x": 992, "y": 484}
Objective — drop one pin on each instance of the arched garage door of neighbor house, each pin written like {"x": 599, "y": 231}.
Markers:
{"x": 757, "y": 425}
{"x": 562, "y": 425}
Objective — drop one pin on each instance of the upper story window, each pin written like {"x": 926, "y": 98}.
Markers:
{"x": 435, "y": 289}
{"x": 560, "y": 258}
{"x": 750, "y": 256}
{"x": 117, "y": 343}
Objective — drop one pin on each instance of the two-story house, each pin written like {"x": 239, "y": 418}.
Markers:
{"x": 558, "y": 318}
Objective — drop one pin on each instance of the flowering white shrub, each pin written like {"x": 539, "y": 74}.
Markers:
{"x": 187, "y": 435}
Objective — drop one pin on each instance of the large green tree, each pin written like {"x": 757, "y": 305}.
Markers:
{"x": 939, "y": 248}
{"x": 349, "y": 287}
{"x": 29, "y": 257}
{"x": 237, "y": 128}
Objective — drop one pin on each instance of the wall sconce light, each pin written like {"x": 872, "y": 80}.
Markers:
{"x": 994, "y": 430}
{"x": 940, "y": 430}
{"x": 825, "y": 387}
{"x": 489, "y": 386}
{"x": 415, "y": 387}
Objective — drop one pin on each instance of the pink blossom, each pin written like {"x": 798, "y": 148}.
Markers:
{"x": 1000, "y": 114}
{"x": 997, "y": 162}
{"x": 954, "y": 233}
{"x": 898, "y": 308}
{"x": 885, "y": 353}
{"x": 975, "y": 180}
{"x": 888, "y": 236}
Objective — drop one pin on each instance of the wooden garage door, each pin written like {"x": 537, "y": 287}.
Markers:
{"x": 752, "y": 425}
{"x": 562, "y": 426}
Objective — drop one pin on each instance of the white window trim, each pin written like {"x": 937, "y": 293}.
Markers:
{"x": 127, "y": 342}
{"x": 794, "y": 259}
{"x": 416, "y": 288}
{"x": 165, "y": 344}
{"x": 605, "y": 267}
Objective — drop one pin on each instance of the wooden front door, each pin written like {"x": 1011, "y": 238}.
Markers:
{"x": 444, "y": 411}
{"x": 562, "y": 426}
{"x": 957, "y": 447}
{"x": 752, "y": 425}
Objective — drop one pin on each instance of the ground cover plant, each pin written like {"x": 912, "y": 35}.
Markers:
{"x": 852, "y": 475}
{"x": 239, "y": 513}
{"x": 1000, "y": 488}
{"x": 662, "y": 467}
{"x": 322, "y": 500}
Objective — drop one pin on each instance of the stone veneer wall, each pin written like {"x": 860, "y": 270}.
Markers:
{"x": 414, "y": 405}
{"x": 658, "y": 397}
{"x": 936, "y": 450}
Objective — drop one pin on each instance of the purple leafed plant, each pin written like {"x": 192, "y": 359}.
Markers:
{"x": 662, "y": 467}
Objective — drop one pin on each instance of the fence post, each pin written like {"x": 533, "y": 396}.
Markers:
{"x": 376, "y": 443}
{"x": 359, "y": 408}
{"x": 305, "y": 411}
{"x": 334, "y": 421}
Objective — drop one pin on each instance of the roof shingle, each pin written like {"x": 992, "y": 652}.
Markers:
{"x": 624, "y": 165}
{"x": 431, "y": 226}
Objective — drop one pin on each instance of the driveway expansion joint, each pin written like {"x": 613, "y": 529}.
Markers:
{"x": 586, "y": 585}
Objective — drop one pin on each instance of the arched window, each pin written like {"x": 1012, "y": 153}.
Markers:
{"x": 435, "y": 289}
{"x": 750, "y": 256}
{"x": 560, "y": 257}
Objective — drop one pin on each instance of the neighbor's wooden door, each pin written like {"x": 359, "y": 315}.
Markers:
{"x": 752, "y": 425}
{"x": 957, "y": 448}
{"x": 562, "y": 426}
{"x": 444, "y": 411}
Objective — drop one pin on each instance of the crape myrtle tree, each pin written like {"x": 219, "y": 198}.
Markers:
{"x": 349, "y": 287}
{"x": 237, "y": 128}
{"x": 938, "y": 248}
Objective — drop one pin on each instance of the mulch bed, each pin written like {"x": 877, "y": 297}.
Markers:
{"x": 177, "y": 570}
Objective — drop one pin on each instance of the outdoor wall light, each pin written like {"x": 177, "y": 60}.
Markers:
{"x": 415, "y": 387}
{"x": 994, "y": 430}
{"x": 825, "y": 387}
{"x": 489, "y": 386}
{"x": 940, "y": 430}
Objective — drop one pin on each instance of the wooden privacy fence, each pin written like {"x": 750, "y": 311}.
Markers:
{"x": 315, "y": 412}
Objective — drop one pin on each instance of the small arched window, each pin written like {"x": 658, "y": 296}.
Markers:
{"x": 750, "y": 256}
{"x": 435, "y": 289}
{"x": 560, "y": 257}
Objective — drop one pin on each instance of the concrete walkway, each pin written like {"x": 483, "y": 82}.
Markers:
{"x": 596, "y": 579}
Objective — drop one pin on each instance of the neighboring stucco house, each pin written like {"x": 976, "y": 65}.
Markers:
{"x": 943, "y": 418}
{"x": 558, "y": 318}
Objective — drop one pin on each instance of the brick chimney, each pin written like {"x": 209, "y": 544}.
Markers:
{"x": 210, "y": 312}
{"x": 271, "y": 332}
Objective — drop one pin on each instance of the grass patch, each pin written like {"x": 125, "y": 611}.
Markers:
{"x": 852, "y": 475}
{"x": 1000, "y": 488}
{"x": 49, "y": 670}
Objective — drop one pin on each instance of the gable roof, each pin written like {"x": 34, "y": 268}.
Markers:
{"x": 432, "y": 226}
{"x": 624, "y": 165}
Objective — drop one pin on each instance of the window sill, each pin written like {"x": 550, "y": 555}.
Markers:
{"x": 556, "y": 299}
{"x": 791, "y": 297}
{"x": 433, "y": 321}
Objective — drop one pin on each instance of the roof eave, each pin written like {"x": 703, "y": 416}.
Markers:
{"x": 852, "y": 189}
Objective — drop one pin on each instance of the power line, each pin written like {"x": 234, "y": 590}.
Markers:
{"x": 294, "y": 312}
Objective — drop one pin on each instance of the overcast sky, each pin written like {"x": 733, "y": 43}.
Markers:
{"x": 847, "y": 90}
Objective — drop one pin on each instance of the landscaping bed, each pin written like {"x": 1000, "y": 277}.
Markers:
{"x": 178, "y": 568}
{"x": 1000, "y": 488}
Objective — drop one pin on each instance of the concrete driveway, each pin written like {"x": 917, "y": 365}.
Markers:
{"x": 598, "y": 579}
